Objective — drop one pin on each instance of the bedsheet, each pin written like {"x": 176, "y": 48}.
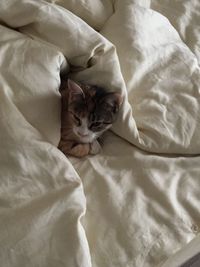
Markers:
{"x": 137, "y": 202}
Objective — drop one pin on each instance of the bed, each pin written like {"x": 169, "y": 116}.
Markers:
{"x": 136, "y": 203}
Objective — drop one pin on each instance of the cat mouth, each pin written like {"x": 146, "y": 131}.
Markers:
{"x": 85, "y": 138}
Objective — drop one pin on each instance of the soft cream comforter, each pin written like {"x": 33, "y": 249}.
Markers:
{"x": 138, "y": 201}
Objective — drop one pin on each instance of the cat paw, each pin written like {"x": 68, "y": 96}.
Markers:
{"x": 95, "y": 147}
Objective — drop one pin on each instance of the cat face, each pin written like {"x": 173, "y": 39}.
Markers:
{"x": 92, "y": 110}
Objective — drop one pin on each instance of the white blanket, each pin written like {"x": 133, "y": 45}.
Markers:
{"x": 137, "y": 202}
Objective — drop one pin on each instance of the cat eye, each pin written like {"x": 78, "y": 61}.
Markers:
{"x": 77, "y": 120}
{"x": 96, "y": 124}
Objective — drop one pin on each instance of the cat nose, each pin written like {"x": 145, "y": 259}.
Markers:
{"x": 83, "y": 134}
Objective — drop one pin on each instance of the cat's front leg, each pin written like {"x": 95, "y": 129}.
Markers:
{"x": 95, "y": 147}
{"x": 79, "y": 150}
{"x": 72, "y": 149}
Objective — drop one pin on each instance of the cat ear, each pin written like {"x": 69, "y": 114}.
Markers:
{"x": 114, "y": 100}
{"x": 75, "y": 91}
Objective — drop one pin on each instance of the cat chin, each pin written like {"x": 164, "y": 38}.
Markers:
{"x": 87, "y": 139}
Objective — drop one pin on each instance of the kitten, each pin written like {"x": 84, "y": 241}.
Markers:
{"x": 86, "y": 112}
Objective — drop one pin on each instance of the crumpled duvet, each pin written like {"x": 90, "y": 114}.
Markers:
{"x": 137, "y": 202}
